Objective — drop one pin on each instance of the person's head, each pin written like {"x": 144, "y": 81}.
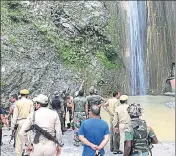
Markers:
{"x": 81, "y": 93}
{"x": 95, "y": 91}
{"x": 24, "y": 93}
{"x": 123, "y": 99}
{"x": 134, "y": 110}
{"x": 64, "y": 91}
{"x": 14, "y": 98}
{"x": 116, "y": 94}
{"x": 56, "y": 94}
{"x": 94, "y": 111}
{"x": 41, "y": 101}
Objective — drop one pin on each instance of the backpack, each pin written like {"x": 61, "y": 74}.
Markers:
{"x": 140, "y": 139}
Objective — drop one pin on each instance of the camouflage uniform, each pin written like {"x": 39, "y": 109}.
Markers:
{"x": 79, "y": 115}
{"x": 138, "y": 132}
{"x": 94, "y": 99}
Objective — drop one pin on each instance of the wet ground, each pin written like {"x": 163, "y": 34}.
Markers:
{"x": 164, "y": 149}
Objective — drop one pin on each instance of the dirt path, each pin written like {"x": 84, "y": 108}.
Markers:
{"x": 165, "y": 149}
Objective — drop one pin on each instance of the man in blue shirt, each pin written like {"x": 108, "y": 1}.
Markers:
{"x": 94, "y": 133}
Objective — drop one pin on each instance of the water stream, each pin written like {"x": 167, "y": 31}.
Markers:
{"x": 137, "y": 46}
{"x": 156, "y": 114}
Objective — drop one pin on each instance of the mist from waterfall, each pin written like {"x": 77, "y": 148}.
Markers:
{"x": 137, "y": 46}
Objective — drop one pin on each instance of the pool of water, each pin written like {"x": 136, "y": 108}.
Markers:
{"x": 156, "y": 114}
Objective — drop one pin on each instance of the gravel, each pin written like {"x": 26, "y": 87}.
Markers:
{"x": 161, "y": 149}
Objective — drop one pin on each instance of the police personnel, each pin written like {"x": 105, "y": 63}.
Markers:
{"x": 79, "y": 112}
{"x": 47, "y": 120}
{"x": 110, "y": 106}
{"x": 121, "y": 120}
{"x": 22, "y": 109}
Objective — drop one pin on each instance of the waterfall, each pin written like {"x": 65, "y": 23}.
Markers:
{"x": 137, "y": 46}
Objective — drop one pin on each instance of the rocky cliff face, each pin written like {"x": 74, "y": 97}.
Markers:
{"x": 161, "y": 43}
{"x": 47, "y": 46}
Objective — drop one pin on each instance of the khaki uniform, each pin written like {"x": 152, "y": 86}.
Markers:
{"x": 48, "y": 120}
{"x": 121, "y": 118}
{"x": 79, "y": 115}
{"x": 22, "y": 109}
{"x": 114, "y": 137}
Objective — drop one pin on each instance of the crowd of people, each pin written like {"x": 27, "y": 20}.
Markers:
{"x": 39, "y": 124}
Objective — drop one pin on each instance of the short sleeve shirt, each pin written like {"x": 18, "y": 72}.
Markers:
{"x": 129, "y": 136}
{"x": 79, "y": 104}
{"x": 94, "y": 131}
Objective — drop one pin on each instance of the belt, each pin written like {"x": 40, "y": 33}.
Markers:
{"x": 80, "y": 112}
{"x": 21, "y": 119}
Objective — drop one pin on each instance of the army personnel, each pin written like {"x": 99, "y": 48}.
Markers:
{"x": 138, "y": 136}
{"x": 94, "y": 99}
{"x": 58, "y": 105}
{"x": 47, "y": 120}
{"x": 110, "y": 106}
{"x": 121, "y": 119}
{"x": 80, "y": 112}
{"x": 22, "y": 109}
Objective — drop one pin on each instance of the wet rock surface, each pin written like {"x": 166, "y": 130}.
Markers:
{"x": 162, "y": 149}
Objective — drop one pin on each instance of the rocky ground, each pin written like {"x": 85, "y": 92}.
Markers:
{"x": 162, "y": 149}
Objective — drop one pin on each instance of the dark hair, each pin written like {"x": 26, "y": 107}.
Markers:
{"x": 15, "y": 96}
{"x": 95, "y": 110}
{"x": 42, "y": 105}
{"x": 81, "y": 93}
{"x": 115, "y": 93}
{"x": 122, "y": 101}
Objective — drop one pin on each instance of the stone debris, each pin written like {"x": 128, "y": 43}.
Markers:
{"x": 162, "y": 149}
{"x": 170, "y": 104}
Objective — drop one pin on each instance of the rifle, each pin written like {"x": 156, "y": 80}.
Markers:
{"x": 80, "y": 88}
{"x": 13, "y": 134}
{"x": 47, "y": 135}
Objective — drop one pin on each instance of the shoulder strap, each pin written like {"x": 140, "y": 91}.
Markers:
{"x": 33, "y": 118}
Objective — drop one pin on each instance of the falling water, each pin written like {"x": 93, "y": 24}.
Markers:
{"x": 137, "y": 46}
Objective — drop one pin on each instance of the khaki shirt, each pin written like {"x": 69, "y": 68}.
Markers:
{"x": 112, "y": 105}
{"x": 23, "y": 108}
{"x": 45, "y": 118}
{"x": 121, "y": 115}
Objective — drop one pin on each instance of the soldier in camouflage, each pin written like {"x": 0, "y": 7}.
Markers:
{"x": 94, "y": 98}
{"x": 79, "y": 112}
{"x": 139, "y": 137}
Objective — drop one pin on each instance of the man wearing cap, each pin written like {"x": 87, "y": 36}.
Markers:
{"x": 58, "y": 105}
{"x": 49, "y": 121}
{"x": 121, "y": 120}
{"x": 138, "y": 136}
{"x": 22, "y": 109}
{"x": 110, "y": 106}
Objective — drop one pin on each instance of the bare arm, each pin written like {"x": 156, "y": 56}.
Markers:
{"x": 154, "y": 140}
{"x": 104, "y": 142}
{"x": 4, "y": 120}
{"x": 127, "y": 148}
{"x": 84, "y": 140}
